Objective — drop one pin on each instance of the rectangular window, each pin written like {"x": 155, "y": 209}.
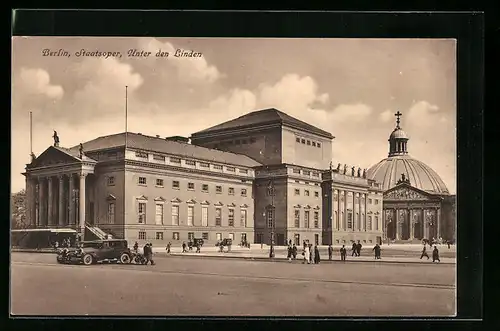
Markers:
{"x": 306, "y": 173}
{"x": 175, "y": 215}
{"x": 142, "y": 235}
{"x": 297, "y": 218}
{"x": 159, "y": 214}
{"x": 309, "y": 143}
{"x": 349, "y": 220}
{"x": 111, "y": 181}
{"x": 175, "y": 184}
{"x": 303, "y": 141}
{"x": 370, "y": 201}
{"x": 316, "y": 219}
{"x": 175, "y": 236}
{"x": 142, "y": 155}
{"x": 159, "y": 182}
{"x": 296, "y": 171}
{"x": 376, "y": 201}
{"x": 175, "y": 160}
{"x": 230, "y": 217}
{"x": 190, "y": 163}
{"x": 190, "y": 217}
{"x": 376, "y": 223}
{"x": 243, "y": 171}
{"x": 111, "y": 213}
{"x": 316, "y": 194}
{"x": 218, "y": 217}
{"x": 306, "y": 219}
{"x": 243, "y": 192}
{"x": 142, "y": 213}
{"x": 204, "y": 188}
{"x": 231, "y": 169}
{"x": 270, "y": 218}
{"x": 218, "y": 189}
{"x": 318, "y": 144}
{"x": 306, "y": 193}
{"x": 142, "y": 181}
{"x": 297, "y": 140}
{"x": 204, "y": 165}
{"x": 190, "y": 186}
{"x": 369, "y": 225}
{"x": 231, "y": 236}
{"x": 217, "y": 167}
{"x": 243, "y": 218}
{"x": 297, "y": 191}
{"x": 159, "y": 235}
{"x": 315, "y": 174}
{"x": 230, "y": 191}
{"x": 218, "y": 236}
{"x": 190, "y": 235}
{"x": 204, "y": 216}
{"x": 314, "y": 144}
{"x": 204, "y": 236}
{"x": 158, "y": 157}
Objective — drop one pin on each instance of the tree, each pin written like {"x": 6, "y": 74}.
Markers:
{"x": 18, "y": 210}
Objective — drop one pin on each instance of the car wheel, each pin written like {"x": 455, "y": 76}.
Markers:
{"x": 87, "y": 259}
{"x": 125, "y": 258}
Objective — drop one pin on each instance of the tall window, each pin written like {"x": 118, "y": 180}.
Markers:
{"x": 218, "y": 236}
{"x": 243, "y": 192}
{"x": 243, "y": 218}
{"x": 159, "y": 214}
{"x": 297, "y": 218}
{"x": 230, "y": 218}
{"x": 376, "y": 222}
{"x": 142, "y": 213}
{"x": 306, "y": 218}
{"x": 316, "y": 219}
{"x": 218, "y": 189}
{"x": 369, "y": 225}
{"x": 190, "y": 215}
{"x": 142, "y": 180}
{"x": 230, "y": 191}
{"x": 175, "y": 215}
{"x": 270, "y": 217}
{"x": 190, "y": 235}
{"x": 111, "y": 213}
{"x": 159, "y": 235}
{"x": 306, "y": 193}
{"x": 218, "y": 217}
{"x": 337, "y": 221}
{"x": 349, "y": 220}
{"x": 358, "y": 222}
{"x": 204, "y": 216}
{"x": 142, "y": 235}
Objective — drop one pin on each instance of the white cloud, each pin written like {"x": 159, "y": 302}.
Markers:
{"x": 190, "y": 70}
{"x": 385, "y": 116}
{"x": 37, "y": 81}
{"x": 351, "y": 113}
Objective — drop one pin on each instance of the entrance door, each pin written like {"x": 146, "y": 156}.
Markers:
{"x": 297, "y": 239}
{"x": 280, "y": 239}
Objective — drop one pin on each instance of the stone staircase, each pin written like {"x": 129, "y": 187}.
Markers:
{"x": 94, "y": 233}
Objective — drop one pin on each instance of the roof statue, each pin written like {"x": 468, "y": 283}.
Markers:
{"x": 338, "y": 167}
{"x": 352, "y": 171}
{"x": 81, "y": 150}
{"x": 359, "y": 172}
{"x": 364, "y": 173}
{"x": 33, "y": 156}
{"x": 403, "y": 179}
{"x": 331, "y": 165}
{"x": 345, "y": 169}
{"x": 56, "y": 139}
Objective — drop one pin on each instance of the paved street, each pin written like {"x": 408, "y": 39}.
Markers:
{"x": 224, "y": 287}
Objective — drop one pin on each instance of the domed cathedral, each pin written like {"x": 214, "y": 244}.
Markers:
{"x": 417, "y": 204}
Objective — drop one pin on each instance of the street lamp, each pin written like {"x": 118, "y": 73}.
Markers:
{"x": 270, "y": 190}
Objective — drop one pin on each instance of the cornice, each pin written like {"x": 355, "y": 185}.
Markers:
{"x": 244, "y": 129}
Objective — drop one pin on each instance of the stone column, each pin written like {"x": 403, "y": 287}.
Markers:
{"x": 62, "y": 214}
{"x": 42, "y": 201}
{"x": 426, "y": 224}
{"x": 398, "y": 226}
{"x": 50, "y": 201}
{"x": 30, "y": 199}
{"x": 438, "y": 223}
{"x": 345, "y": 210}
{"x": 71, "y": 201}
{"x": 412, "y": 224}
{"x": 82, "y": 204}
{"x": 365, "y": 211}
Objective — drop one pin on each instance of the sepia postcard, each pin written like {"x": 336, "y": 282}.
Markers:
{"x": 233, "y": 177}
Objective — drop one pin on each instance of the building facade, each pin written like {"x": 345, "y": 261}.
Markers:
{"x": 417, "y": 203}
{"x": 263, "y": 177}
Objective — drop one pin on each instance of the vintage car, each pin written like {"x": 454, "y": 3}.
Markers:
{"x": 91, "y": 252}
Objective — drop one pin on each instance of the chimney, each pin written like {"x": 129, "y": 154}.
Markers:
{"x": 157, "y": 136}
{"x": 178, "y": 139}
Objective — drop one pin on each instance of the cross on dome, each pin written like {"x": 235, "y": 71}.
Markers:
{"x": 398, "y": 120}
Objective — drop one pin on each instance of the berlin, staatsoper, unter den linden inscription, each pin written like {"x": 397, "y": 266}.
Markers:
{"x": 133, "y": 53}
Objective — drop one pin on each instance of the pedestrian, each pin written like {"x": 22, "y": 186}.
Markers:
{"x": 358, "y": 248}
{"x": 330, "y": 252}
{"x": 424, "y": 252}
{"x": 168, "y": 247}
{"x": 147, "y": 253}
{"x": 198, "y": 248}
{"x": 294, "y": 251}
{"x": 435, "y": 255}
{"x": 354, "y": 249}
{"x": 311, "y": 253}
{"x": 448, "y": 242}
{"x": 190, "y": 245}
{"x": 376, "y": 249}
{"x": 290, "y": 242}
{"x": 316, "y": 255}
{"x": 343, "y": 253}
{"x": 289, "y": 253}
{"x": 136, "y": 247}
{"x": 184, "y": 247}
{"x": 306, "y": 254}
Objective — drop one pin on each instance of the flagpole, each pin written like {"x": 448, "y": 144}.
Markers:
{"x": 31, "y": 134}
{"x": 126, "y": 115}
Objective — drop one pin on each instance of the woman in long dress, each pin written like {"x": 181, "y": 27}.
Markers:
{"x": 307, "y": 255}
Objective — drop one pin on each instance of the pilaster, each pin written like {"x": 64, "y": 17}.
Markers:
{"x": 71, "y": 199}
{"x": 61, "y": 213}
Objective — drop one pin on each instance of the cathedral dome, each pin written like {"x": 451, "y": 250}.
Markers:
{"x": 388, "y": 171}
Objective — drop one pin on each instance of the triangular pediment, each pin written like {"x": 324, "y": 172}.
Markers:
{"x": 231, "y": 205}
{"x": 204, "y": 202}
{"x": 160, "y": 199}
{"x": 191, "y": 201}
{"x": 405, "y": 191}
{"x": 316, "y": 207}
{"x": 175, "y": 200}
{"x": 244, "y": 205}
{"x": 110, "y": 197}
{"x": 142, "y": 197}
{"x": 218, "y": 204}
{"x": 53, "y": 156}
{"x": 297, "y": 206}
{"x": 307, "y": 207}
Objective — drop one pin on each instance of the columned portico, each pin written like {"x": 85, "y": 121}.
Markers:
{"x": 81, "y": 207}
{"x": 61, "y": 213}
{"x": 71, "y": 199}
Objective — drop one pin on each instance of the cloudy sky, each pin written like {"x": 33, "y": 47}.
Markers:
{"x": 350, "y": 87}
